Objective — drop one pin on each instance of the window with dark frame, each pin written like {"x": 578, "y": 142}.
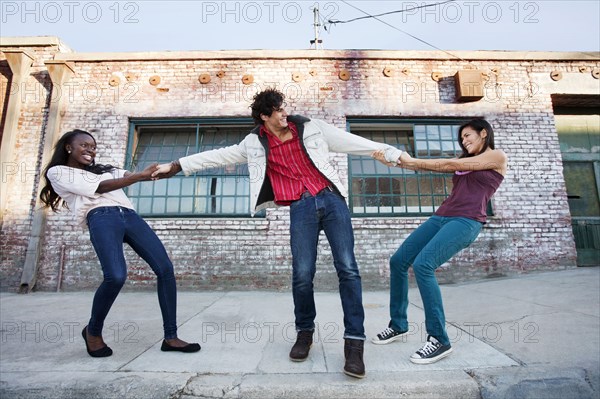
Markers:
{"x": 378, "y": 190}
{"x": 375, "y": 189}
{"x": 218, "y": 191}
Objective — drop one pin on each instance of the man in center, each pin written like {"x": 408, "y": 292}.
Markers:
{"x": 289, "y": 155}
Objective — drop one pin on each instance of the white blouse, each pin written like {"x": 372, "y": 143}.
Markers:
{"x": 77, "y": 187}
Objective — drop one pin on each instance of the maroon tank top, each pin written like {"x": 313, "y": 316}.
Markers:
{"x": 470, "y": 194}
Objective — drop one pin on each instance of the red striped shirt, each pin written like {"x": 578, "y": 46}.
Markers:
{"x": 290, "y": 170}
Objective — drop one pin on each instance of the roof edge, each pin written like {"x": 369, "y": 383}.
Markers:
{"x": 67, "y": 54}
{"x": 332, "y": 54}
{"x": 34, "y": 41}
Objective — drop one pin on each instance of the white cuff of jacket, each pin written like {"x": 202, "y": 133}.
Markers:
{"x": 392, "y": 155}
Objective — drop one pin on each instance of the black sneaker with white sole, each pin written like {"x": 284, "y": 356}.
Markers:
{"x": 431, "y": 352}
{"x": 388, "y": 335}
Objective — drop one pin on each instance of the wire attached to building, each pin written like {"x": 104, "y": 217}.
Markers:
{"x": 387, "y": 13}
{"x": 367, "y": 15}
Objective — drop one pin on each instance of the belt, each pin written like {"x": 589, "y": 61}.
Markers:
{"x": 307, "y": 193}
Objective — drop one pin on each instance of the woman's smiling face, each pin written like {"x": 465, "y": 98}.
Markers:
{"x": 472, "y": 141}
{"x": 82, "y": 151}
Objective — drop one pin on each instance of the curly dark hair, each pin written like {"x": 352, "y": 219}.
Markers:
{"x": 264, "y": 102}
{"x": 48, "y": 196}
{"x": 478, "y": 125}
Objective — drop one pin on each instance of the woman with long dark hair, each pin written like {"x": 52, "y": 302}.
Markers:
{"x": 478, "y": 172}
{"x": 93, "y": 193}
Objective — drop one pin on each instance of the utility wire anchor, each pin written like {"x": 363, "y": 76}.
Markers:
{"x": 318, "y": 43}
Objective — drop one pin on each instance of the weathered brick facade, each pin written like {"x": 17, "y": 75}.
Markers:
{"x": 530, "y": 230}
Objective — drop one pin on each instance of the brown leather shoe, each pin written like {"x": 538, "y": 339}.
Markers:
{"x": 353, "y": 351}
{"x": 300, "y": 350}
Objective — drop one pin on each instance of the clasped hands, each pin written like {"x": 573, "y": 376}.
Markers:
{"x": 380, "y": 155}
{"x": 165, "y": 170}
{"x": 156, "y": 171}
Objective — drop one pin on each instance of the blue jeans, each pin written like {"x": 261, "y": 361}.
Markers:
{"x": 429, "y": 246}
{"x": 308, "y": 216}
{"x": 110, "y": 227}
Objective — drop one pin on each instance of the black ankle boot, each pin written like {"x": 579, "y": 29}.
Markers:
{"x": 353, "y": 351}
{"x": 300, "y": 350}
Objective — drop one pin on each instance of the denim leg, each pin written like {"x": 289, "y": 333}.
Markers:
{"x": 304, "y": 236}
{"x": 107, "y": 230}
{"x": 144, "y": 241}
{"x": 455, "y": 234}
{"x": 336, "y": 222}
{"x": 399, "y": 264}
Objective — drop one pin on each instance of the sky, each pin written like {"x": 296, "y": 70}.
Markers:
{"x": 129, "y": 26}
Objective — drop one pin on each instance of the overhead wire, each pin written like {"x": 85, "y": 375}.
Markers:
{"x": 367, "y": 15}
{"x": 389, "y": 12}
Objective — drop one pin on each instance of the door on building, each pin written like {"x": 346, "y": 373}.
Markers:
{"x": 578, "y": 125}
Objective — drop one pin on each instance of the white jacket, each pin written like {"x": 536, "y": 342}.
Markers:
{"x": 318, "y": 139}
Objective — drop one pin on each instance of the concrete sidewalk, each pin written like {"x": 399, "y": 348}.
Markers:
{"x": 531, "y": 336}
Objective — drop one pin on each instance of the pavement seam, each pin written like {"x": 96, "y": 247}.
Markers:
{"x": 324, "y": 352}
{"x": 518, "y": 361}
{"x": 179, "y": 326}
{"x": 223, "y": 294}
{"x": 558, "y": 308}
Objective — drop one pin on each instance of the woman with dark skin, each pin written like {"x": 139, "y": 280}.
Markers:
{"x": 93, "y": 193}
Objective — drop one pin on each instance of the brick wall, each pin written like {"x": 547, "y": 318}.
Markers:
{"x": 530, "y": 230}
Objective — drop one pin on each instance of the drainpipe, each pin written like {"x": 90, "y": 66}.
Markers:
{"x": 60, "y": 72}
{"x": 20, "y": 63}
{"x": 61, "y": 267}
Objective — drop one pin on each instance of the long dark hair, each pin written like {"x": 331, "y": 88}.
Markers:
{"x": 478, "y": 125}
{"x": 61, "y": 157}
{"x": 264, "y": 103}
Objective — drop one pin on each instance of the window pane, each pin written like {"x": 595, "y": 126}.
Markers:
{"x": 186, "y": 205}
{"x": 448, "y": 148}
{"x": 226, "y": 186}
{"x": 146, "y": 188}
{"x": 187, "y": 186}
{"x": 433, "y": 132}
{"x": 172, "y": 205}
{"x": 214, "y": 191}
{"x": 419, "y": 131}
{"x": 184, "y": 139}
{"x": 582, "y": 192}
{"x": 144, "y": 205}
{"x": 377, "y": 189}
{"x": 435, "y": 149}
{"x": 174, "y": 186}
{"x": 368, "y": 166}
{"x": 160, "y": 187}
{"x": 446, "y": 133}
{"x": 134, "y": 190}
{"x": 227, "y": 205}
{"x": 158, "y": 205}
{"x": 422, "y": 149}
{"x": 200, "y": 205}
{"x": 438, "y": 184}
